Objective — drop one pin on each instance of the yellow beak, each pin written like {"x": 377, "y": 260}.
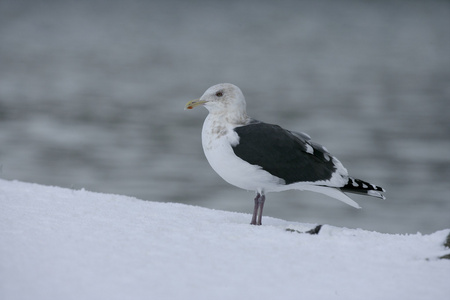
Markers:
{"x": 194, "y": 103}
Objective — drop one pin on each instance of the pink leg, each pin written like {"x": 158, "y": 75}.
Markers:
{"x": 258, "y": 209}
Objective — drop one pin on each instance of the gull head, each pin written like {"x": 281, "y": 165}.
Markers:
{"x": 222, "y": 99}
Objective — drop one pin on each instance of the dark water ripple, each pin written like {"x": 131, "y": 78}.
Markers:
{"x": 92, "y": 96}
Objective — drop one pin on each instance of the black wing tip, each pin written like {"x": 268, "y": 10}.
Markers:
{"x": 359, "y": 186}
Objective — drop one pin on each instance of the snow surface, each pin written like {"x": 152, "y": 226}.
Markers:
{"x": 59, "y": 243}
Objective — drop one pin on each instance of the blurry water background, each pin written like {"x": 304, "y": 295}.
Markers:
{"x": 92, "y": 95}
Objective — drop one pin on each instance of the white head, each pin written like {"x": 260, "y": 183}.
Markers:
{"x": 223, "y": 99}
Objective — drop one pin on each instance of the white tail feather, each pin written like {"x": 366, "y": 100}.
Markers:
{"x": 331, "y": 192}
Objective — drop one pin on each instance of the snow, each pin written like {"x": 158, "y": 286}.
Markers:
{"x": 59, "y": 243}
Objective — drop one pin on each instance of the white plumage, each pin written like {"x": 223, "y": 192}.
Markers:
{"x": 256, "y": 156}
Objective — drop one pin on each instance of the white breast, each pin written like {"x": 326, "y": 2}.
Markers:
{"x": 217, "y": 140}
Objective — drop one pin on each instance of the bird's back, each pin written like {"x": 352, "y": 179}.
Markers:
{"x": 285, "y": 154}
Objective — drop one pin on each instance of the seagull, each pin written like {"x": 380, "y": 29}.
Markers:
{"x": 262, "y": 157}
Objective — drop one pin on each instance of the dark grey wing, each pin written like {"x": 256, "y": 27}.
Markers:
{"x": 288, "y": 155}
{"x": 301, "y": 135}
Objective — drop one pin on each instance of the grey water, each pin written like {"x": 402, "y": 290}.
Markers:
{"x": 92, "y": 96}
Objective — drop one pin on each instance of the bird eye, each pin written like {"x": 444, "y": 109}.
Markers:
{"x": 219, "y": 94}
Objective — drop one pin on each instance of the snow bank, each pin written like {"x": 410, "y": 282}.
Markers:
{"x": 58, "y": 243}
